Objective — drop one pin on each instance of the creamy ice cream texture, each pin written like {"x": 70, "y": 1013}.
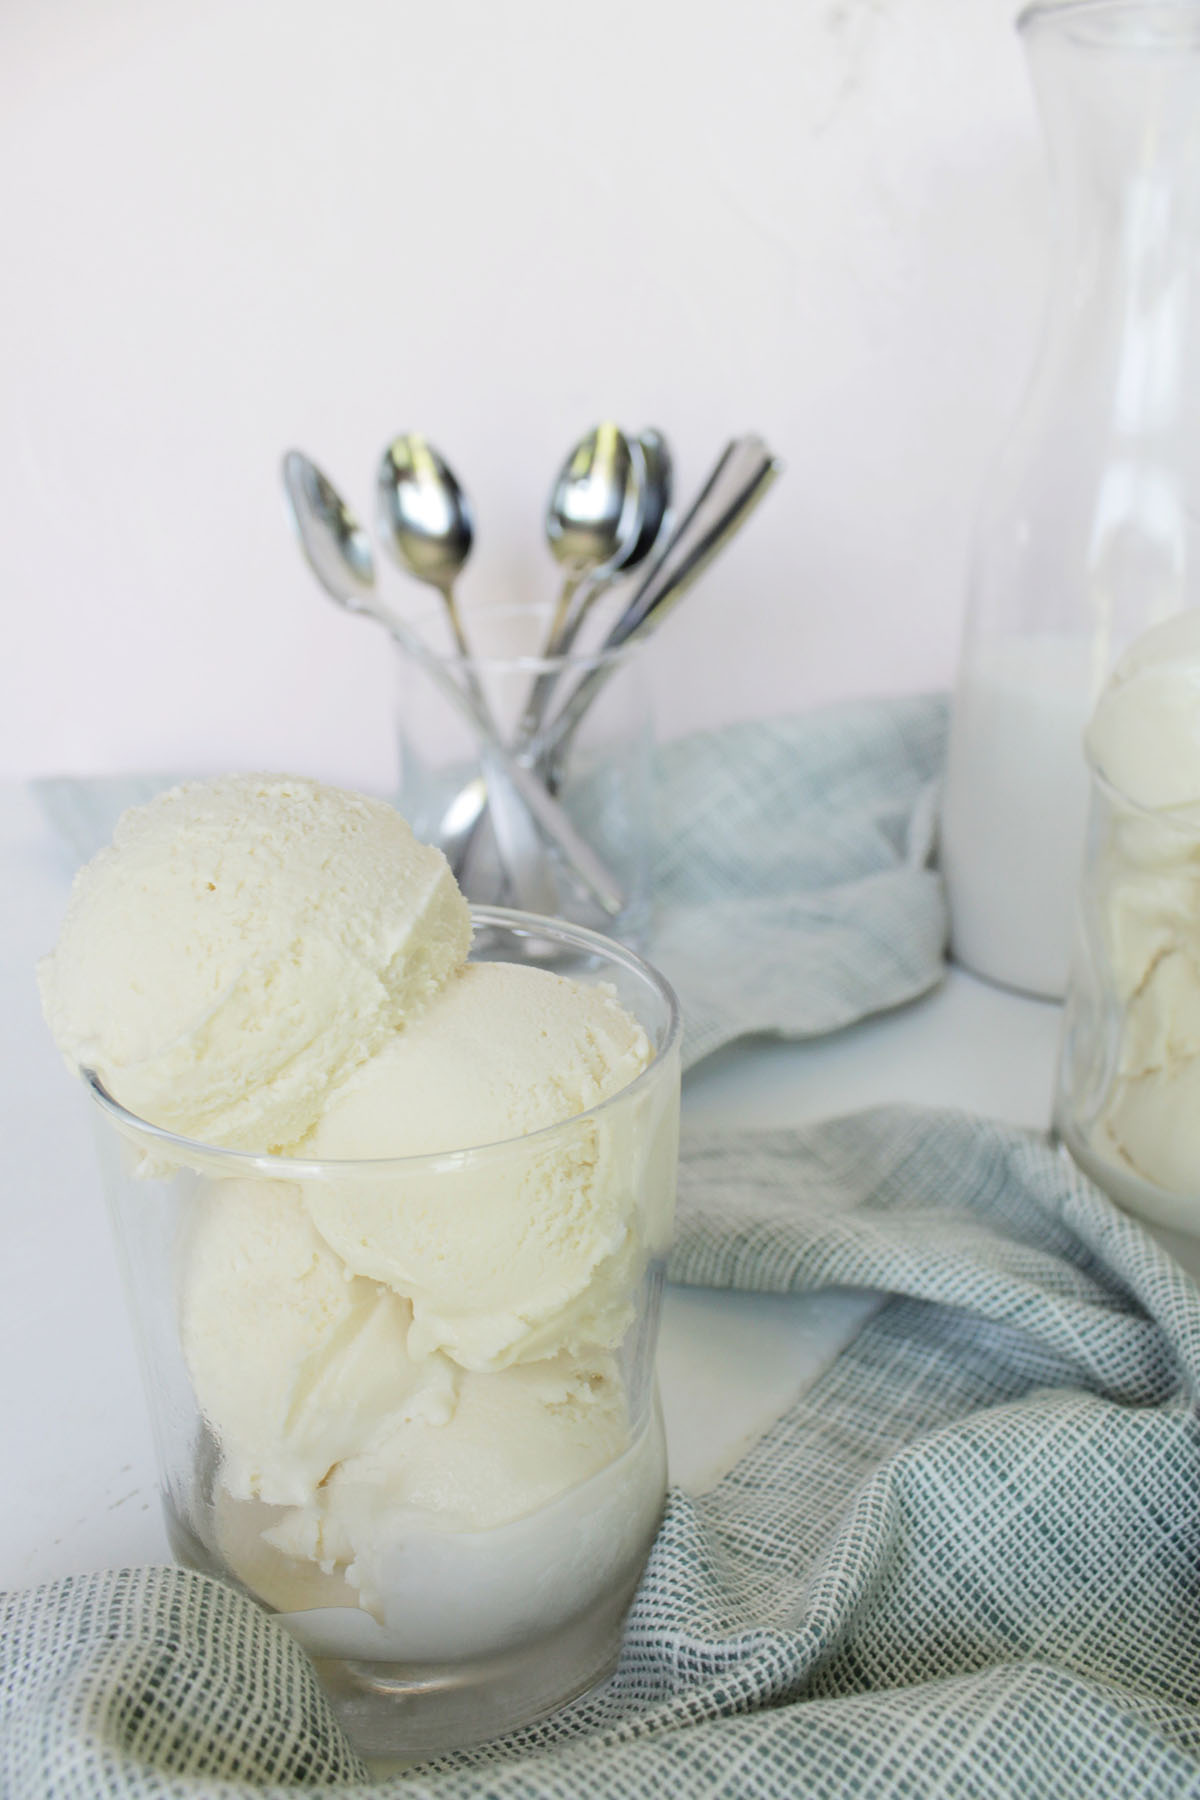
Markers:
{"x": 244, "y": 943}
{"x": 296, "y": 1364}
{"x": 513, "y": 1441}
{"x": 535, "y": 1253}
{"x": 1144, "y": 735}
{"x": 1144, "y": 739}
{"x": 379, "y": 1353}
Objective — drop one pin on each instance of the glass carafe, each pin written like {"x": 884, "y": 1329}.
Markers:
{"x": 1090, "y": 526}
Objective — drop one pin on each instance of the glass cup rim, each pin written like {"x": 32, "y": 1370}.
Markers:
{"x": 186, "y": 1150}
{"x": 528, "y": 662}
{"x": 1040, "y": 13}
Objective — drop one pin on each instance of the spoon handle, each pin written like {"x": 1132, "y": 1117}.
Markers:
{"x": 744, "y": 472}
{"x": 551, "y": 817}
{"x": 471, "y": 679}
{"x": 558, "y": 638}
{"x": 514, "y": 832}
{"x": 588, "y": 579}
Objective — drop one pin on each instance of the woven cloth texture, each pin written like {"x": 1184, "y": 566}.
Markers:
{"x": 790, "y": 865}
{"x": 965, "y": 1562}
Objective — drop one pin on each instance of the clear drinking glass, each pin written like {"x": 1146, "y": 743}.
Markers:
{"x": 429, "y": 1632}
{"x": 1127, "y": 1101}
{"x": 1089, "y": 530}
{"x": 600, "y": 771}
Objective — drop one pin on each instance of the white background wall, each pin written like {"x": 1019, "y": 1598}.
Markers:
{"x": 233, "y": 227}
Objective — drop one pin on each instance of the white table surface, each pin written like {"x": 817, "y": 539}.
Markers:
{"x": 81, "y": 1490}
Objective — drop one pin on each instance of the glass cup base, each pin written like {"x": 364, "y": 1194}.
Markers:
{"x": 417, "y": 1710}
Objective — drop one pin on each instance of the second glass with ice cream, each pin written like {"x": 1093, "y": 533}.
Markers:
{"x": 1128, "y": 1093}
{"x": 397, "y": 1305}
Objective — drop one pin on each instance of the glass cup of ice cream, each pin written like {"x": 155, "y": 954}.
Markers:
{"x": 397, "y": 1305}
{"x": 1127, "y": 1101}
{"x": 598, "y": 763}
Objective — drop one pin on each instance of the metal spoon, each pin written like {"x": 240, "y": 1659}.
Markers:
{"x": 338, "y": 551}
{"x": 593, "y": 511}
{"x": 336, "y": 547}
{"x": 740, "y": 478}
{"x": 658, "y": 481}
{"x": 654, "y": 495}
{"x": 593, "y": 515}
{"x": 655, "y": 476}
{"x": 425, "y": 522}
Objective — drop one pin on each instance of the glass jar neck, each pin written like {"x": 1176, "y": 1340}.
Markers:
{"x": 1118, "y": 87}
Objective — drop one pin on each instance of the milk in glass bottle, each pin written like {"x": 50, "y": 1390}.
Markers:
{"x": 1090, "y": 527}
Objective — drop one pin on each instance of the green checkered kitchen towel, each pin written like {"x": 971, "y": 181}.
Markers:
{"x": 967, "y": 1562}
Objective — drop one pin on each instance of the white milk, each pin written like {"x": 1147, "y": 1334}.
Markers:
{"x": 1015, "y": 811}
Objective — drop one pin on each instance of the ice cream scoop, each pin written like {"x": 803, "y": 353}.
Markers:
{"x": 514, "y": 1440}
{"x": 1141, "y": 915}
{"x": 542, "y": 1252}
{"x": 241, "y": 946}
{"x": 1144, "y": 735}
{"x": 295, "y": 1366}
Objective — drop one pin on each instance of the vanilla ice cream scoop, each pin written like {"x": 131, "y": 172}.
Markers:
{"x": 1142, "y": 906}
{"x": 538, "y": 1250}
{"x": 516, "y": 1438}
{"x": 534, "y": 1505}
{"x": 295, "y": 1365}
{"x": 1144, "y": 735}
{"x": 242, "y": 945}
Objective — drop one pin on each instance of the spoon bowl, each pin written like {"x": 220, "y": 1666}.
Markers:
{"x": 335, "y": 545}
{"x": 591, "y": 511}
{"x": 425, "y": 517}
{"x": 658, "y": 480}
